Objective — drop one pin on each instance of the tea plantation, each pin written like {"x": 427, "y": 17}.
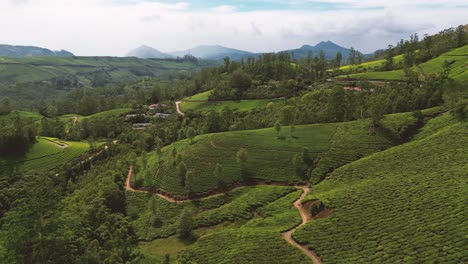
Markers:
{"x": 402, "y": 205}
{"x": 269, "y": 158}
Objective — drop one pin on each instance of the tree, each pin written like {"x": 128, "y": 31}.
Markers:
{"x": 159, "y": 145}
{"x": 352, "y": 56}
{"x": 240, "y": 81}
{"x": 388, "y": 65}
{"x": 190, "y": 133}
{"x": 218, "y": 173}
{"x": 377, "y": 104}
{"x": 181, "y": 171}
{"x": 154, "y": 212}
{"x": 184, "y": 230}
{"x": 189, "y": 181}
{"x": 278, "y": 127}
{"x": 338, "y": 59}
{"x": 241, "y": 158}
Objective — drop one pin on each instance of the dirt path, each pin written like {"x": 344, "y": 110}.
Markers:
{"x": 61, "y": 145}
{"x": 287, "y": 235}
{"x": 306, "y": 217}
{"x": 421, "y": 72}
{"x": 177, "y": 104}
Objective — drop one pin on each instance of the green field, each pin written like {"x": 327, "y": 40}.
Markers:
{"x": 44, "y": 155}
{"x": 234, "y": 221}
{"x": 199, "y": 102}
{"x": 104, "y": 114}
{"x": 369, "y": 66}
{"x": 18, "y": 70}
{"x": 402, "y": 205}
{"x": 269, "y": 158}
{"x": 457, "y": 57}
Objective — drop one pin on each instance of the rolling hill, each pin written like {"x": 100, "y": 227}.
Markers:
{"x": 457, "y": 59}
{"x": 146, "y": 52}
{"x": 214, "y": 52}
{"x": 30, "y": 51}
{"x": 329, "y": 48}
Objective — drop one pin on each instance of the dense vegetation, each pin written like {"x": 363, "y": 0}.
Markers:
{"x": 414, "y": 212}
{"x": 385, "y": 160}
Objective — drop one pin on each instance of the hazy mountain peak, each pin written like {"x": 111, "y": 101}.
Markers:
{"x": 147, "y": 52}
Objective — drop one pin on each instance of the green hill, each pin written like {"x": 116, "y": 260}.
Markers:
{"x": 269, "y": 157}
{"x": 458, "y": 59}
{"x": 199, "y": 102}
{"x": 46, "y": 154}
{"x": 30, "y": 80}
{"x": 402, "y": 205}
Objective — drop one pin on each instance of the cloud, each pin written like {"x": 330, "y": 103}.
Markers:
{"x": 113, "y": 27}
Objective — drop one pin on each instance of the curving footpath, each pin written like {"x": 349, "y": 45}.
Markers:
{"x": 305, "y": 215}
{"x": 177, "y": 104}
{"x": 287, "y": 235}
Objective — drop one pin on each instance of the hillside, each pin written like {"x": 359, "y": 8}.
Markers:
{"x": 329, "y": 48}
{"x": 457, "y": 59}
{"x": 414, "y": 211}
{"x": 146, "y": 52}
{"x": 46, "y": 154}
{"x": 269, "y": 157}
{"x": 30, "y": 51}
{"x": 214, "y": 52}
{"x": 31, "y": 80}
{"x": 199, "y": 102}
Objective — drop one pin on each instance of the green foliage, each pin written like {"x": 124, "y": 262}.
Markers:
{"x": 409, "y": 197}
{"x": 185, "y": 227}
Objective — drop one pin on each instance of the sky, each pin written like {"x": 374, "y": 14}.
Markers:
{"x": 114, "y": 27}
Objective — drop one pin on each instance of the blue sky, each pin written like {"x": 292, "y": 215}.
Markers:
{"x": 113, "y": 27}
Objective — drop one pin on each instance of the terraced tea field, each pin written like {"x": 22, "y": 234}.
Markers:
{"x": 404, "y": 219}
{"x": 46, "y": 154}
{"x": 199, "y": 102}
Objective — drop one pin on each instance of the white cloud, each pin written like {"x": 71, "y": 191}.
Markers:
{"x": 107, "y": 27}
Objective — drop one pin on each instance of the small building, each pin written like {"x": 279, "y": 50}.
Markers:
{"x": 141, "y": 125}
{"x": 162, "y": 115}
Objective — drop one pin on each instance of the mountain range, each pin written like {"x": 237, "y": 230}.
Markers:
{"x": 30, "y": 51}
{"x": 217, "y": 52}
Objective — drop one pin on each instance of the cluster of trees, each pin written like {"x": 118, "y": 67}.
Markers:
{"x": 59, "y": 218}
{"x": 16, "y": 134}
{"x": 416, "y": 51}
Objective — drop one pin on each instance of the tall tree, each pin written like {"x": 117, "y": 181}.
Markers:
{"x": 185, "y": 227}
{"x": 218, "y": 173}
{"x": 241, "y": 158}
{"x": 338, "y": 58}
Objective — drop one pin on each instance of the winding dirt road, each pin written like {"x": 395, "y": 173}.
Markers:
{"x": 306, "y": 217}
{"x": 287, "y": 235}
{"x": 177, "y": 104}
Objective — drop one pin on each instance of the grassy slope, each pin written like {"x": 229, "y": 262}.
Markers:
{"x": 458, "y": 71}
{"x": 235, "y": 206}
{"x": 404, "y": 204}
{"x": 199, "y": 102}
{"x": 257, "y": 215}
{"x": 370, "y": 65}
{"x": 269, "y": 158}
{"x": 257, "y": 241}
{"x": 17, "y": 70}
{"x": 104, "y": 114}
{"x": 45, "y": 156}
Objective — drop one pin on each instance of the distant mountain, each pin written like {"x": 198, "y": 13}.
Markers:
{"x": 145, "y": 52}
{"x": 329, "y": 48}
{"x": 30, "y": 51}
{"x": 215, "y": 52}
